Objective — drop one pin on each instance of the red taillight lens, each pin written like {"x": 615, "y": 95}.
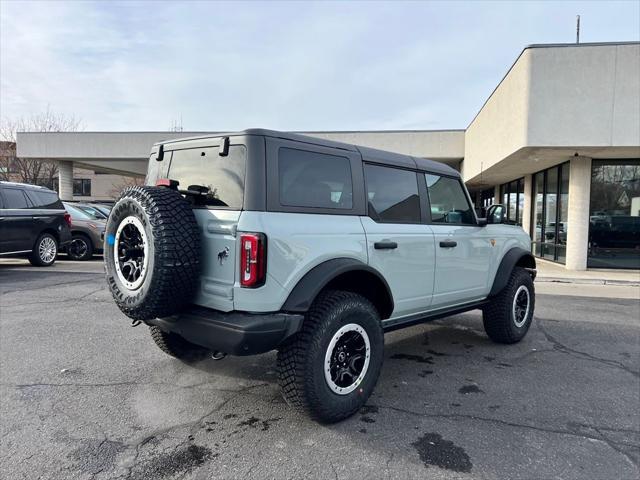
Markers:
{"x": 67, "y": 218}
{"x": 253, "y": 259}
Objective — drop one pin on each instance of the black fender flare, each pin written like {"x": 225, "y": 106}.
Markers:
{"x": 510, "y": 260}
{"x": 312, "y": 283}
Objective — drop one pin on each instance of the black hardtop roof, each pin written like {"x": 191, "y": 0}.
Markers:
{"x": 368, "y": 154}
{"x": 27, "y": 186}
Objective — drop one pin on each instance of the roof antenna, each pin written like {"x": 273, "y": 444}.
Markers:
{"x": 577, "y": 28}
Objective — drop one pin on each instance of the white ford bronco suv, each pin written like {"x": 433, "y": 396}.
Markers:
{"x": 246, "y": 242}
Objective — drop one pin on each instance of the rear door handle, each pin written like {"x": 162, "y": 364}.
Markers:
{"x": 448, "y": 244}
{"x": 385, "y": 245}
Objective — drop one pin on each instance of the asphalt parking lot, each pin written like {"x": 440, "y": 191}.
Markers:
{"x": 84, "y": 395}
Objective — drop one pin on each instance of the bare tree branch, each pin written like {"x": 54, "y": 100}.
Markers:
{"x": 36, "y": 171}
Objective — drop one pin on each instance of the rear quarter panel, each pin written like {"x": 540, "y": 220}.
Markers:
{"x": 296, "y": 242}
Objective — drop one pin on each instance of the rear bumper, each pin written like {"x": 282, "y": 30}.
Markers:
{"x": 234, "y": 333}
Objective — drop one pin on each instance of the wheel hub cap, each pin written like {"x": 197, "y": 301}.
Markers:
{"x": 47, "y": 250}
{"x": 131, "y": 252}
{"x": 347, "y": 359}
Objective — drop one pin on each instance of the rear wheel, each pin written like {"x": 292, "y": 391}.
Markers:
{"x": 80, "y": 247}
{"x": 176, "y": 346}
{"x": 509, "y": 315}
{"x": 45, "y": 251}
{"x": 330, "y": 368}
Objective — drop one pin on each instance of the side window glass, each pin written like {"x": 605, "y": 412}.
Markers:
{"x": 449, "y": 203}
{"x": 316, "y": 180}
{"x": 15, "y": 198}
{"x": 392, "y": 194}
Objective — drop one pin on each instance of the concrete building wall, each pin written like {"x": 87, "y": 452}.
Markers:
{"x": 557, "y": 100}
{"x": 500, "y": 127}
{"x": 584, "y": 96}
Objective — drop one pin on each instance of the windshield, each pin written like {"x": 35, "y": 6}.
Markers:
{"x": 211, "y": 179}
{"x": 92, "y": 212}
{"x": 76, "y": 213}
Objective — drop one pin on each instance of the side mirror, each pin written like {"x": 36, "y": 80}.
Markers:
{"x": 496, "y": 214}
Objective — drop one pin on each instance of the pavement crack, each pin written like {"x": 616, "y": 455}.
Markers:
{"x": 560, "y": 347}
{"x": 456, "y": 416}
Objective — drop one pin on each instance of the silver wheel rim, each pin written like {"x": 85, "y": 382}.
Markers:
{"x": 47, "y": 250}
{"x": 521, "y": 305}
{"x": 347, "y": 359}
{"x": 131, "y": 252}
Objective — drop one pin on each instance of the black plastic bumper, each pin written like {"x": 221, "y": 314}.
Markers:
{"x": 235, "y": 333}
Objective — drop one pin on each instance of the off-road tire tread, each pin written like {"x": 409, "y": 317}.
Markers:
{"x": 176, "y": 346}
{"x": 496, "y": 315}
{"x": 176, "y": 237}
{"x": 292, "y": 376}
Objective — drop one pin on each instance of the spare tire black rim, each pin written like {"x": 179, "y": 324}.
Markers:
{"x": 347, "y": 359}
{"x": 131, "y": 250}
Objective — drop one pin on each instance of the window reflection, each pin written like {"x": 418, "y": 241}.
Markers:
{"x": 550, "y": 212}
{"x": 614, "y": 214}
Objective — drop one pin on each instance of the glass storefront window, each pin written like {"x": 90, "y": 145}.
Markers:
{"x": 512, "y": 195}
{"x": 549, "y": 213}
{"x": 614, "y": 214}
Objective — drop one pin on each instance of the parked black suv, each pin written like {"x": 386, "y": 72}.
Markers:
{"x": 33, "y": 223}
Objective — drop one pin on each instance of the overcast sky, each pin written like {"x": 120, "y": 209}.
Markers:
{"x": 289, "y": 66}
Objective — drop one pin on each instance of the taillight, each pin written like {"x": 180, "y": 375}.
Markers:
{"x": 253, "y": 259}
{"x": 67, "y": 218}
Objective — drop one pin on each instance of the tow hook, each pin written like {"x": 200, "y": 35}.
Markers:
{"x": 216, "y": 355}
{"x": 135, "y": 323}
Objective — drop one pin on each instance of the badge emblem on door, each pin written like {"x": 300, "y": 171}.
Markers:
{"x": 493, "y": 242}
{"x": 223, "y": 255}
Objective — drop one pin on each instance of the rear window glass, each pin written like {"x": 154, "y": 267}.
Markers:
{"x": 15, "y": 198}
{"x": 316, "y": 180}
{"x": 44, "y": 199}
{"x": 213, "y": 180}
{"x": 392, "y": 194}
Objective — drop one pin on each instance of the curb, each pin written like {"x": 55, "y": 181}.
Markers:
{"x": 588, "y": 281}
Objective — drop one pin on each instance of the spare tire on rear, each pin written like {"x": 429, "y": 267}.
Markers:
{"x": 152, "y": 252}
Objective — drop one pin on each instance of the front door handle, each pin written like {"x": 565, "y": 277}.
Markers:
{"x": 385, "y": 245}
{"x": 448, "y": 244}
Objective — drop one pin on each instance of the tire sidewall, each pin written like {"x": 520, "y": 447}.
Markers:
{"x": 125, "y": 207}
{"x": 364, "y": 315}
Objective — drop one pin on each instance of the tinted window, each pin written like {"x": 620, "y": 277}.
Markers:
{"x": 44, "y": 199}
{"x": 215, "y": 181}
{"x": 77, "y": 214}
{"x": 392, "y": 194}
{"x": 448, "y": 200}
{"x": 316, "y": 180}
{"x": 15, "y": 198}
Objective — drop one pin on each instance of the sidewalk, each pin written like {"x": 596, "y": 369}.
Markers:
{"x": 553, "y": 272}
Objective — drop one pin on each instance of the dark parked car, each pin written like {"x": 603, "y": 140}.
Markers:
{"x": 33, "y": 223}
{"x": 86, "y": 230}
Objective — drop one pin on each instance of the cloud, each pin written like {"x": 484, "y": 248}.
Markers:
{"x": 292, "y": 65}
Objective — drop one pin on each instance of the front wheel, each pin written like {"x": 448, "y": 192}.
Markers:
{"x": 508, "y": 316}
{"x": 44, "y": 251}
{"x": 330, "y": 368}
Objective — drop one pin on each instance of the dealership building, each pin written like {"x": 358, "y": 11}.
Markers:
{"x": 557, "y": 142}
